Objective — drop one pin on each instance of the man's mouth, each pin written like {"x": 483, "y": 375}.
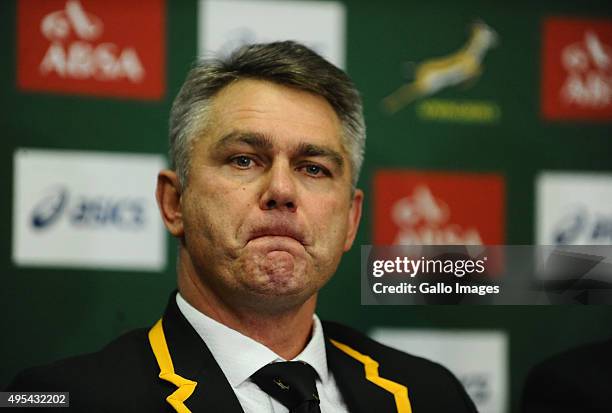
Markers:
{"x": 277, "y": 231}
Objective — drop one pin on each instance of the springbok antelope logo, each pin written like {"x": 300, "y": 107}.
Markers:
{"x": 438, "y": 73}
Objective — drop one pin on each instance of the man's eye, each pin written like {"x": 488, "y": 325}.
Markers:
{"x": 316, "y": 170}
{"x": 242, "y": 161}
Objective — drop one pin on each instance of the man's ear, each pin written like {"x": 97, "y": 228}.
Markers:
{"x": 168, "y": 195}
{"x": 353, "y": 219}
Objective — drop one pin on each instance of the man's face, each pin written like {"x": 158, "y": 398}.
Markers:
{"x": 267, "y": 210}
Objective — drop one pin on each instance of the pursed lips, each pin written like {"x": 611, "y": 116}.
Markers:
{"x": 277, "y": 231}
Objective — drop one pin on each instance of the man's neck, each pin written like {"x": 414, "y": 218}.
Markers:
{"x": 285, "y": 332}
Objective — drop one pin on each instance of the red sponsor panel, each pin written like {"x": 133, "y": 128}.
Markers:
{"x": 577, "y": 69}
{"x": 92, "y": 47}
{"x": 435, "y": 208}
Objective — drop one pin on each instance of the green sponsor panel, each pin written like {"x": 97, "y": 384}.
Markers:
{"x": 57, "y": 312}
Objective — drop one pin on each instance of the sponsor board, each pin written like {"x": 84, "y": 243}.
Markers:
{"x": 574, "y": 208}
{"x": 435, "y": 208}
{"x": 478, "y": 359}
{"x": 87, "y": 209}
{"x": 92, "y": 47}
{"x": 577, "y": 69}
{"x": 225, "y": 25}
{"x": 435, "y": 74}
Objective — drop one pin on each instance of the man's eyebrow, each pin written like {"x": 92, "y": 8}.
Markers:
{"x": 262, "y": 141}
{"x": 309, "y": 149}
{"x": 254, "y": 139}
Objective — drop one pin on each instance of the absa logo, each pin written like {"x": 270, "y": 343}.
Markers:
{"x": 438, "y": 208}
{"x": 589, "y": 68}
{"x": 577, "y": 69}
{"x": 425, "y": 220}
{"x": 80, "y": 57}
{"x": 92, "y": 47}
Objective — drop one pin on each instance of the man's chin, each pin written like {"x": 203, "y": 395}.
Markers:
{"x": 278, "y": 295}
{"x": 279, "y": 282}
{"x": 275, "y": 277}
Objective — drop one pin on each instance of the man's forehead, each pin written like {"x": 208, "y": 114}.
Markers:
{"x": 262, "y": 112}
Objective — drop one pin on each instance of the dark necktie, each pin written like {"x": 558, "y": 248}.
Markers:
{"x": 292, "y": 383}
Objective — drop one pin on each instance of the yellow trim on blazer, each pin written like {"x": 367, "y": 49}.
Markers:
{"x": 399, "y": 391}
{"x": 157, "y": 339}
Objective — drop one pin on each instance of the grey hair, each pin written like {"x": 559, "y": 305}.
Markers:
{"x": 286, "y": 63}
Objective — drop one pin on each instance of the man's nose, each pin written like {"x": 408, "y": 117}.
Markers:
{"x": 280, "y": 190}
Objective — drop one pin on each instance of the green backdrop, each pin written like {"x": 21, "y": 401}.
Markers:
{"x": 52, "y": 313}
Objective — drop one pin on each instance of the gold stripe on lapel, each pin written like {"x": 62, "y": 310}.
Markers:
{"x": 399, "y": 391}
{"x": 157, "y": 339}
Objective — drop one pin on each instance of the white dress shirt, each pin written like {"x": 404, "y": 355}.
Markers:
{"x": 240, "y": 356}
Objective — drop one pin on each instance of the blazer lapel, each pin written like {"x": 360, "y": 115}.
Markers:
{"x": 363, "y": 390}
{"x": 198, "y": 383}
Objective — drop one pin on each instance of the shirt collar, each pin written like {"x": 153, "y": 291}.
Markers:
{"x": 314, "y": 352}
{"x": 240, "y": 356}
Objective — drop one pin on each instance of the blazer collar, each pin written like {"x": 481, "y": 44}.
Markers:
{"x": 360, "y": 384}
{"x": 199, "y": 384}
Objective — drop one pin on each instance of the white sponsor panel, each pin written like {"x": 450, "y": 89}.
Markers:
{"x": 224, "y": 25}
{"x": 479, "y": 359}
{"x": 574, "y": 208}
{"x": 87, "y": 209}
